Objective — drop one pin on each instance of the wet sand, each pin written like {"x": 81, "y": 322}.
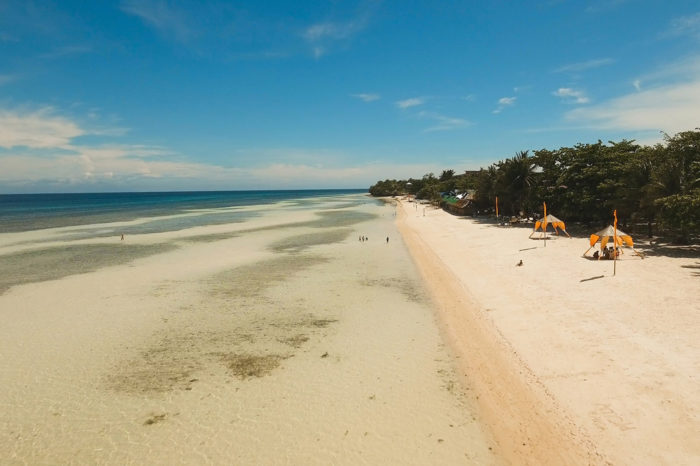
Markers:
{"x": 570, "y": 364}
{"x": 280, "y": 339}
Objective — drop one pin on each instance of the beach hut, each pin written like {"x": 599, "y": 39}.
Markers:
{"x": 556, "y": 223}
{"x": 606, "y": 235}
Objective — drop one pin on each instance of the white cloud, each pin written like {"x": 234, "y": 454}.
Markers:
{"x": 330, "y": 30}
{"x": 408, "y": 103}
{"x": 366, "y": 97}
{"x": 38, "y": 153}
{"x": 322, "y": 36}
{"x": 37, "y": 129}
{"x": 686, "y": 25}
{"x": 586, "y": 65}
{"x": 114, "y": 167}
{"x": 444, "y": 123}
{"x": 164, "y": 17}
{"x": 637, "y": 84}
{"x": 571, "y": 95}
{"x": 504, "y": 102}
{"x": 671, "y": 108}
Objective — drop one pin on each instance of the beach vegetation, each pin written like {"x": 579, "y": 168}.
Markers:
{"x": 655, "y": 189}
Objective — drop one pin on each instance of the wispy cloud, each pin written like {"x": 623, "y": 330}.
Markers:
{"x": 504, "y": 102}
{"x": 669, "y": 102}
{"x": 670, "y": 108}
{"x": 685, "y": 26}
{"x": 585, "y": 65}
{"x": 444, "y": 123}
{"x": 75, "y": 172}
{"x": 570, "y": 95}
{"x": 40, "y": 150}
{"x": 163, "y": 16}
{"x": 408, "y": 103}
{"x": 321, "y": 36}
{"x": 366, "y": 97}
{"x": 330, "y": 30}
{"x": 36, "y": 129}
{"x": 65, "y": 51}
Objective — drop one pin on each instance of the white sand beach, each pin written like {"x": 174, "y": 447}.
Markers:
{"x": 278, "y": 340}
{"x": 570, "y": 364}
{"x": 285, "y": 340}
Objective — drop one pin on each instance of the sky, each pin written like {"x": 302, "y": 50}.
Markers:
{"x": 165, "y": 95}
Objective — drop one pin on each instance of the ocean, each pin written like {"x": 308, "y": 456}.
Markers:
{"x": 51, "y": 236}
{"x": 25, "y": 212}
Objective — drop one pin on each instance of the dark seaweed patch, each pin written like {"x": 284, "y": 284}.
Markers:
{"x": 295, "y": 244}
{"x": 53, "y": 263}
{"x": 209, "y": 238}
{"x": 251, "y": 280}
{"x": 410, "y": 289}
{"x": 245, "y": 366}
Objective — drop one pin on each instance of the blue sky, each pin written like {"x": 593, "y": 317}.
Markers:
{"x": 145, "y": 95}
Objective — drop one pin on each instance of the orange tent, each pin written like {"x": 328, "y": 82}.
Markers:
{"x": 549, "y": 220}
{"x": 607, "y": 235}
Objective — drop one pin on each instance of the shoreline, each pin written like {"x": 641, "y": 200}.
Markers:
{"x": 555, "y": 386}
{"x": 510, "y": 406}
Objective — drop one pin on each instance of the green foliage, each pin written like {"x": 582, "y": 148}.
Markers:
{"x": 388, "y": 188}
{"x": 657, "y": 185}
{"x": 681, "y": 213}
{"x": 447, "y": 175}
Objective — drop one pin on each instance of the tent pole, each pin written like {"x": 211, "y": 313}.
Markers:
{"x": 584, "y": 254}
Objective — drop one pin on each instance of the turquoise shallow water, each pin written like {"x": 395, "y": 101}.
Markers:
{"x": 52, "y": 254}
{"x": 25, "y": 212}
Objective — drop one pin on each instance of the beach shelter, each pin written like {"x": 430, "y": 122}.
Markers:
{"x": 550, "y": 219}
{"x": 608, "y": 234}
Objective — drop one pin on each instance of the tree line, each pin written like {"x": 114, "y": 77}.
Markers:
{"x": 655, "y": 187}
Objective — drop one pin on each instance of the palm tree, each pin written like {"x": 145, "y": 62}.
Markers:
{"x": 516, "y": 177}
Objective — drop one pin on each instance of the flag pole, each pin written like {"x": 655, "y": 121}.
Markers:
{"x": 615, "y": 243}
{"x": 544, "y": 224}
{"x": 496, "y": 208}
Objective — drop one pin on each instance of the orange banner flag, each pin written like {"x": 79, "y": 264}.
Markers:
{"x": 496, "y": 206}
{"x": 615, "y": 228}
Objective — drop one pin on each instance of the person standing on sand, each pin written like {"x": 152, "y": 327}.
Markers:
{"x": 122, "y": 237}
{"x": 387, "y": 240}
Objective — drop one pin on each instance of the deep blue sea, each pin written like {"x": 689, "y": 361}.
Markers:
{"x": 24, "y": 212}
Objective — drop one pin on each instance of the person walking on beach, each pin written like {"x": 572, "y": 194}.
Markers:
{"x": 122, "y": 237}
{"x": 387, "y": 240}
